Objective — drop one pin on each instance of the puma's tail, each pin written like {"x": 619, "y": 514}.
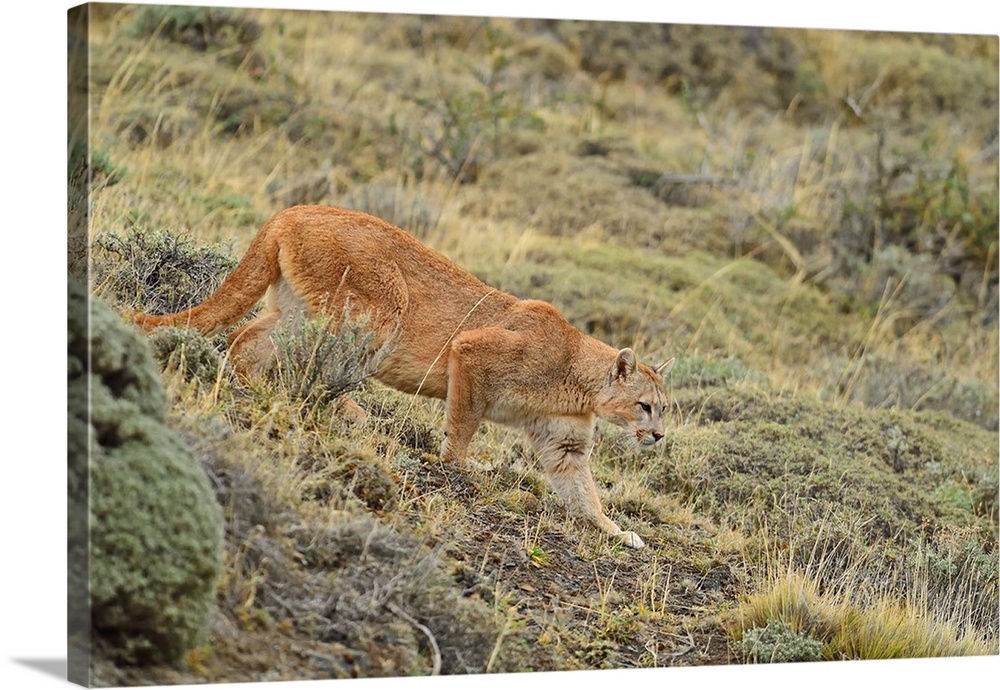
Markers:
{"x": 235, "y": 297}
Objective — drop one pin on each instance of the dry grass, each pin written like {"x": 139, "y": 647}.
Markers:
{"x": 874, "y": 625}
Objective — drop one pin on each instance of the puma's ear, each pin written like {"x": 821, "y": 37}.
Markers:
{"x": 665, "y": 368}
{"x": 624, "y": 364}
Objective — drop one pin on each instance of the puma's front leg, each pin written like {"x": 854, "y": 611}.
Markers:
{"x": 563, "y": 447}
{"x": 464, "y": 404}
{"x": 479, "y": 370}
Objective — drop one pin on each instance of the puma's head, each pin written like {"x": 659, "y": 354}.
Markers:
{"x": 635, "y": 398}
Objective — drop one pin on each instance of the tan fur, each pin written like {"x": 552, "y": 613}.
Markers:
{"x": 488, "y": 354}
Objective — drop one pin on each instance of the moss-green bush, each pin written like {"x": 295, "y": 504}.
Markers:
{"x": 810, "y": 470}
{"x": 186, "y": 350}
{"x": 201, "y": 28}
{"x": 78, "y": 439}
{"x": 777, "y": 643}
{"x": 155, "y": 529}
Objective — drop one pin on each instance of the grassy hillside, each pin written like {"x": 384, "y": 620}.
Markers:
{"x": 806, "y": 219}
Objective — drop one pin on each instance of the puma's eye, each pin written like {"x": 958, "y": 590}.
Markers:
{"x": 645, "y": 407}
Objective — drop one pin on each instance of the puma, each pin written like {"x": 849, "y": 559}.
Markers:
{"x": 488, "y": 354}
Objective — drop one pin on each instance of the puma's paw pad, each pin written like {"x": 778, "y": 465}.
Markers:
{"x": 632, "y": 540}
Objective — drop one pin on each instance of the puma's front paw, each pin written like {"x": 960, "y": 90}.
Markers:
{"x": 632, "y": 540}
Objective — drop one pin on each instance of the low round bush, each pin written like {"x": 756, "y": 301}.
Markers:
{"x": 155, "y": 528}
{"x": 776, "y": 643}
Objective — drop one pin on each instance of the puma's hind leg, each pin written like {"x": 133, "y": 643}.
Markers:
{"x": 251, "y": 350}
{"x": 563, "y": 446}
{"x": 347, "y": 409}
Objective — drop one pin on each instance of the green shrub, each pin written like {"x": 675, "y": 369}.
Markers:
{"x": 157, "y": 272}
{"x": 155, "y": 534}
{"x": 186, "y": 350}
{"x": 155, "y": 544}
{"x": 776, "y": 643}
{"x": 198, "y": 27}
{"x": 324, "y": 358}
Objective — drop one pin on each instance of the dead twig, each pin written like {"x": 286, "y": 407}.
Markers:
{"x": 435, "y": 650}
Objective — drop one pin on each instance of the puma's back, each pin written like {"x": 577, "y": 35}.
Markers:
{"x": 315, "y": 259}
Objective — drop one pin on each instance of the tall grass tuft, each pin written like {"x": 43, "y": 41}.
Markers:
{"x": 857, "y": 616}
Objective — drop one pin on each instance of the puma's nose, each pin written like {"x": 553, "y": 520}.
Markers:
{"x": 657, "y": 435}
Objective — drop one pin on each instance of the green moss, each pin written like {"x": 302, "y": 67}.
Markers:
{"x": 156, "y": 539}
{"x": 155, "y": 529}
